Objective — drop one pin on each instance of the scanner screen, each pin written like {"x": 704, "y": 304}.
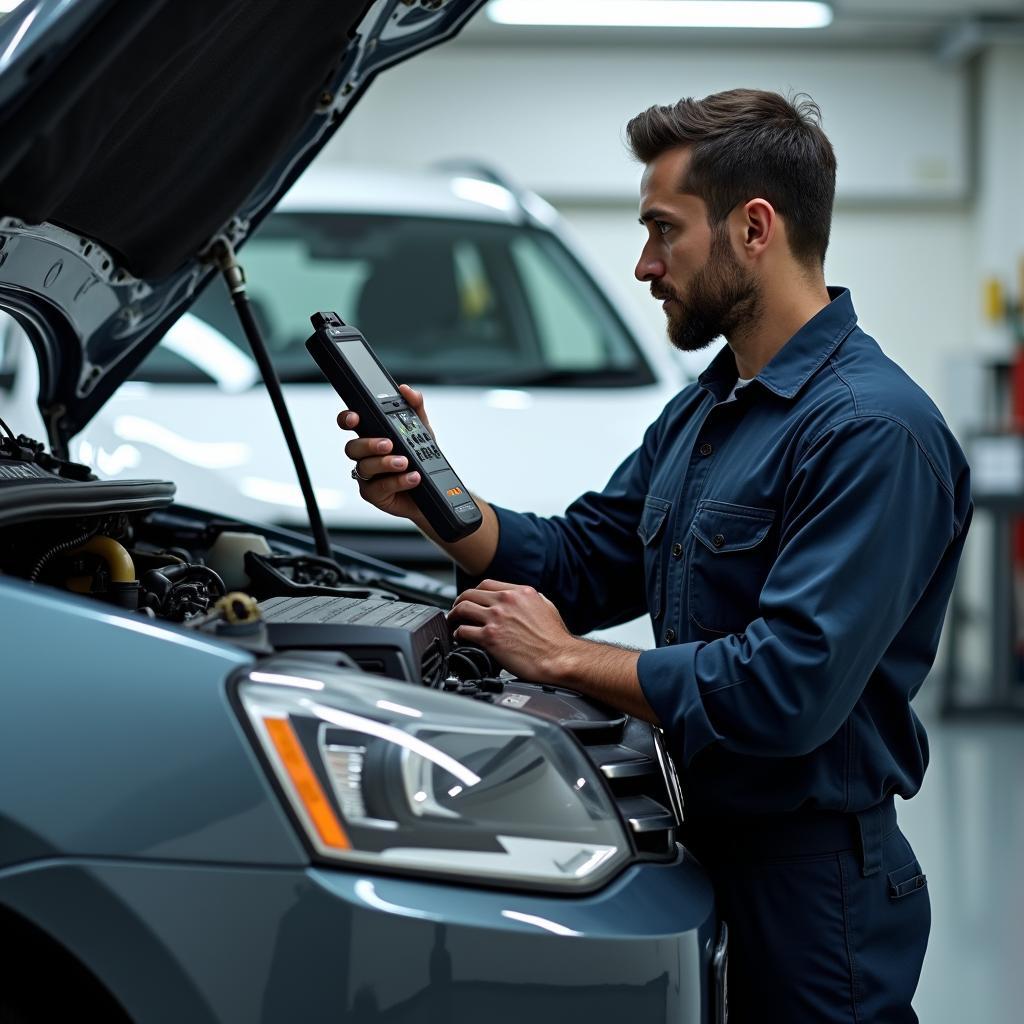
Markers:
{"x": 366, "y": 366}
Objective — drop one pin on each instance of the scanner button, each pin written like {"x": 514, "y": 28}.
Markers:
{"x": 706, "y": 449}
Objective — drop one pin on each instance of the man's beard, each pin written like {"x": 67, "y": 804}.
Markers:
{"x": 722, "y": 299}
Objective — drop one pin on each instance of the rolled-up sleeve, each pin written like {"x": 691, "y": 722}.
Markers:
{"x": 867, "y": 520}
{"x": 589, "y": 561}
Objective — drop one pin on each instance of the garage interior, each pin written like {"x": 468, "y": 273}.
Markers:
{"x": 924, "y": 103}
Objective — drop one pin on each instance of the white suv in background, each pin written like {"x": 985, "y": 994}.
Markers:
{"x": 538, "y": 381}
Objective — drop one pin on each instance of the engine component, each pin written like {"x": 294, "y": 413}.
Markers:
{"x": 32, "y": 489}
{"x": 236, "y": 618}
{"x": 179, "y": 592}
{"x": 122, "y": 588}
{"x": 227, "y": 556}
{"x": 471, "y": 663}
{"x": 59, "y": 548}
{"x": 25, "y": 449}
{"x": 238, "y": 609}
{"x": 390, "y": 638}
{"x": 303, "y": 576}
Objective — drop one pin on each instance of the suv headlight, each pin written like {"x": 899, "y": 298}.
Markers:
{"x": 394, "y": 776}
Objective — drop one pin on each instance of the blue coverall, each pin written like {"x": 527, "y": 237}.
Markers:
{"x": 795, "y": 548}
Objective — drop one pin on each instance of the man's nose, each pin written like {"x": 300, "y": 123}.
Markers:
{"x": 648, "y": 268}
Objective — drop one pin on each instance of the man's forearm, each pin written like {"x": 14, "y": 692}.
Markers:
{"x": 605, "y": 672}
{"x": 475, "y": 552}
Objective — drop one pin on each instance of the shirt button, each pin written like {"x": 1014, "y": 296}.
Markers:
{"x": 706, "y": 449}
{"x": 677, "y": 550}
{"x": 670, "y": 635}
{"x": 718, "y": 540}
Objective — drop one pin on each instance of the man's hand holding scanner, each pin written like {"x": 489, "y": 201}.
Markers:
{"x": 382, "y": 477}
{"x": 385, "y": 481}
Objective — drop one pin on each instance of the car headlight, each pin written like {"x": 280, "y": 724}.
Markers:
{"x": 394, "y": 776}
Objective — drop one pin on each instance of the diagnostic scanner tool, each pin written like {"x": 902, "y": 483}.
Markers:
{"x": 351, "y": 366}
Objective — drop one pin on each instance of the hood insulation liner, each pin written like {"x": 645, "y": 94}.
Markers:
{"x": 151, "y": 132}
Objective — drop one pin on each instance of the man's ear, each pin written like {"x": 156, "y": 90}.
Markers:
{"x": 759, "y": 225}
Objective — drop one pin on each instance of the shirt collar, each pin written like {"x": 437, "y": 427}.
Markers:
{"x": 796, "y": 362}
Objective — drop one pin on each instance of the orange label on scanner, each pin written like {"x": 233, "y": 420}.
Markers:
{"x": 452, "y": 491}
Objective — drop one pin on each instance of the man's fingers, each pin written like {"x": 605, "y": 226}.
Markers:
{"x": 470, "y": 612}
{"x": 495, "y": 585}
{"x": 365, "y": 447}
{"x": 348, "y": 420}
{"x": 470, "y": 635}
{"x": 483, "y": 597}
{"x": 379, "y": 488}
{"x": 372, "y": 467}
{"x": 415, "y": 400}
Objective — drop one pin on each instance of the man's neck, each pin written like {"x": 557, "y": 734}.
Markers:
{"x": 782, "y": 315}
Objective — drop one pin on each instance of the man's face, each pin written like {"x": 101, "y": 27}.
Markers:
{"x": 691, "y": 268}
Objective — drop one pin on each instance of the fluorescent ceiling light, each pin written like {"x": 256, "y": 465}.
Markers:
{"x": 663, "y": 13}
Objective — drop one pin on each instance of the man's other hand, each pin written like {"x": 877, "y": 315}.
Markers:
{"x": 517, "y": 625}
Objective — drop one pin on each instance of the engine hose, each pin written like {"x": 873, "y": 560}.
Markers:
{"x": 122, "y": 568}
{"x": 57, "y": 549}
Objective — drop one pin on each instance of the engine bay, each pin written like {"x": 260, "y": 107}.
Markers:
{"x": 126, "y": 545}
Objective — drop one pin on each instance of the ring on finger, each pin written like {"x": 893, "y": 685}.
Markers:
{"x": 357, "y": 476}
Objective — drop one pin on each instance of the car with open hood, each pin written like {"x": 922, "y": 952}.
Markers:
{"x": 250, "y": 775}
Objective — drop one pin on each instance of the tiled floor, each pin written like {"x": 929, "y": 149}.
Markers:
{"x": 967, "y": 828}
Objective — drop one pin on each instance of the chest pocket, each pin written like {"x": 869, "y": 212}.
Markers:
{"x": 731, "y": 557}
{"x": 650, "y": 530}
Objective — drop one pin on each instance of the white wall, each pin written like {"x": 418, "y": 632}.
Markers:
{"x": 554, "y": 116}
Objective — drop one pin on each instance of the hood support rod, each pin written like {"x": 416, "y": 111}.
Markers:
{"x": 224, "y": 255}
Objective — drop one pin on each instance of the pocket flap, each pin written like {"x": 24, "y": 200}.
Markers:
{"x": 723, "y": 528}
{"x": 652, "y": 518}
{"x": 905, "y": 880}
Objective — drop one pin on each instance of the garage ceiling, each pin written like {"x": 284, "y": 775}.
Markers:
{"x": 920, "y": 24}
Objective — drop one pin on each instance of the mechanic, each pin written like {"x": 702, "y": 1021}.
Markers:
{"x": 792, "y": 523}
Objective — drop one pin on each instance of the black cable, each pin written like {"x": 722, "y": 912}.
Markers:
{"x": 58, "y": 549}
{"x": 236, "y": 286}
{"x": 10, "y": 433}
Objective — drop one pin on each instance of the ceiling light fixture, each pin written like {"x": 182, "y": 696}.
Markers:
{"x": 663, "y": 13}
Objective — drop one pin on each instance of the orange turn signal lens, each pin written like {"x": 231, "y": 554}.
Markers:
{"x": 307, "y": 786}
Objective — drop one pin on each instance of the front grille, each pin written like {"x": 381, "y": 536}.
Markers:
{"x": 630, "y": 755}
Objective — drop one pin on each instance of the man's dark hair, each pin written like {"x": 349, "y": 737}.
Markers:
{"x": 747, "y": 143}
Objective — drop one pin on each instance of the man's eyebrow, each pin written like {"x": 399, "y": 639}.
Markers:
{"x": 653, "y": 213}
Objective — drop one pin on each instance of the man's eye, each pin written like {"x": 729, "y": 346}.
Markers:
{"x": 662, "y": 226}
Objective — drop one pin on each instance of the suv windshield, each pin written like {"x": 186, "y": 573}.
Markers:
{"x": 441, "y": 301}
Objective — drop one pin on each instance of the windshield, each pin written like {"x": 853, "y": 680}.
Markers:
{"x": 441, "y": 301}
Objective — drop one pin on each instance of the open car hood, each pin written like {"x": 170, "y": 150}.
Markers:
{"x": 136, "y": 134}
